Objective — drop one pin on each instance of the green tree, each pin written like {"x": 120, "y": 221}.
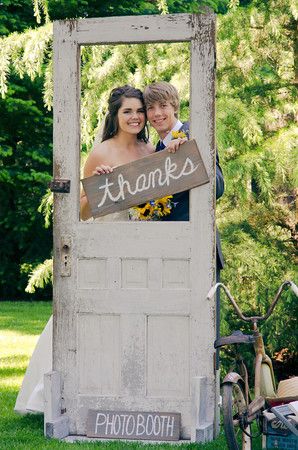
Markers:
{"x": 257, "y": 138}
{"x": 25, "y": 161}
{"x": 15, "y": 15}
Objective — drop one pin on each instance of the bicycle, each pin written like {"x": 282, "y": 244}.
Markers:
{"x": 239, "y": 411}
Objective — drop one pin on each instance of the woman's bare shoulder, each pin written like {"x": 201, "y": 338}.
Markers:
{"x": 101, "y": 148}
{"x": 97, "y": 156}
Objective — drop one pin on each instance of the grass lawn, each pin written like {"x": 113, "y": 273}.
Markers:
{"x": 20, "y": 325}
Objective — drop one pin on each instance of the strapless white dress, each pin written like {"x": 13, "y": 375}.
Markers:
{"x": 31, "y": 395}
{"x": 121, "y": 216}
{"x": 30, "y": 398}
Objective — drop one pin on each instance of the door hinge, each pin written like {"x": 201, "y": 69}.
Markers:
{"x": 59, "y": 185}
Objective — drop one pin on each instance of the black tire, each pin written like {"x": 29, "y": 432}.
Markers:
{"x": 234, "y": 411}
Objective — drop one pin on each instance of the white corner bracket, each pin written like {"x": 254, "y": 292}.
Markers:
{"x": 56, "y": 425}
{"x": 201, "y": 428}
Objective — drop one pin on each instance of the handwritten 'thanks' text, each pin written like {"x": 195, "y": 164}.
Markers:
{"x": 145, "y": 182}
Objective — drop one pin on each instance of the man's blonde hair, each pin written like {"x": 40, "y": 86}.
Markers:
{"x": 162, "y": 91}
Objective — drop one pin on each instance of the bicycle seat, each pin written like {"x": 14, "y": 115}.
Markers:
{"x": 236, "y": 338}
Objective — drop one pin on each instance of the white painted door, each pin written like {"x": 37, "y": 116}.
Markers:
{"x": 132, "y": 326}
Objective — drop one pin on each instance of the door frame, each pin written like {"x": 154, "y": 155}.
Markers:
{"x": 69, "y": 35}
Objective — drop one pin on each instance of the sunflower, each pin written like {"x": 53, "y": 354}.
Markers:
{"x": 152, "y": 210}
{"x": 178, "y": 134}
{"x": 163, "y": 205}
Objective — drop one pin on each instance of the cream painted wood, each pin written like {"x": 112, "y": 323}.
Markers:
{"x": 202, "y": 200}
{"x": 135, "y": 29}
{"x": 132, "y": 327}
{"x": 56, "y": 425}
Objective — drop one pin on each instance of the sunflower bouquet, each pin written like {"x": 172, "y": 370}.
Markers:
{"x": 178, "y": 134}
{"x": 153, "y": 210}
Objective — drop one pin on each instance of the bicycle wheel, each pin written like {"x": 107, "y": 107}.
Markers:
{"x": 234, "y": 411}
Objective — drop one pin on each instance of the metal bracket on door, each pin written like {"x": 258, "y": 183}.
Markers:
{"x": 59, "y": 185}
{"x": 65, "y": 265}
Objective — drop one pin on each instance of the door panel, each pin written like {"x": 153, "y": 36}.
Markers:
{"x": 168, "y": 356}
{"x": 99, "y": 352}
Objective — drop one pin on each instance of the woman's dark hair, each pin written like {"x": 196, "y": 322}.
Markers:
{"x": 111, "y": 125}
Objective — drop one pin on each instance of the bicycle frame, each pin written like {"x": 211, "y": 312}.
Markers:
{"x": 239, "y": 412}
{"x": 264, "y": 385}
{"x": 264, "y": 382}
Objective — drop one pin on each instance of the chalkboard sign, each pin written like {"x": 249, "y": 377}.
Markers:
{"x": 140, "y": 425}
{"x": 148, "y": 178}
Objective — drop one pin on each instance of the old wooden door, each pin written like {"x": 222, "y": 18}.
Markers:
{"x": 132, "y": 327}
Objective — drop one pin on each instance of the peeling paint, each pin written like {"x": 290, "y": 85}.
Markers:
{"x": 71, "y": 24}
{"x": 116, "y": 318}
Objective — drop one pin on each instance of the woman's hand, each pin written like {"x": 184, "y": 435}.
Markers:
{"x": 173, "y": 146}
{"x": 102, "y": 169}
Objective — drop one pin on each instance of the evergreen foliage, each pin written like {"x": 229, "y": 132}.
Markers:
{"x": 42, "y": 275}
{"x": 256, "y": 126}
{"x": 257, "y": 137}
{"x": 15, "y": 15}
{"x": 25, "y": 161}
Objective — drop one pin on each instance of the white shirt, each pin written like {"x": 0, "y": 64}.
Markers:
{"x": 169, "y": 136}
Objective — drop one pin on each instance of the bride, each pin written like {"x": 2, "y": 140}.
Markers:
{"x": 124, "y": 140}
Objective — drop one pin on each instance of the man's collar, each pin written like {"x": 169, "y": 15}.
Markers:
{"x": 169, "y": 136}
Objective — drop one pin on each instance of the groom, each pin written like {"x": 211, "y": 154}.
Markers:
{"x": 162, "y": 105}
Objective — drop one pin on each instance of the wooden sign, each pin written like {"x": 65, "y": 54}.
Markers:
{"x": 148, "y": 178}
{"x": 134, "y": 425}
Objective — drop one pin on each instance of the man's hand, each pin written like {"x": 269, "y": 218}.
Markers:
{"x": 173, "y": 146}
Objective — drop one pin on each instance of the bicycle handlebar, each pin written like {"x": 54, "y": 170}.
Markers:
{"x": 285, "y": 284}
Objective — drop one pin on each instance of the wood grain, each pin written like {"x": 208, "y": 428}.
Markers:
{"x": 152, "y": 177}
{"x": 134, "y": 425}
{"x": 118, "y": 250}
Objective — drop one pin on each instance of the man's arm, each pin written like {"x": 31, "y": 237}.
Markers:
{"x": 220, "y": 184}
